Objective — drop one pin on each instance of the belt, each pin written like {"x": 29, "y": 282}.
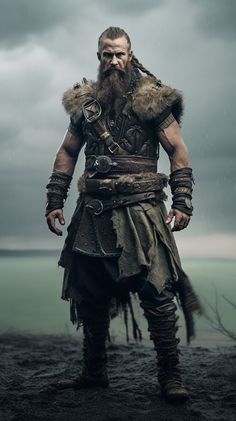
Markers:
{"x": 123, "y": 185}
{"x": 97, "y": 206}
{"x": 120, "y": 165}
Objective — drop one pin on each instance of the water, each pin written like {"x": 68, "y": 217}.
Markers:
{"x": 31, "y": 288}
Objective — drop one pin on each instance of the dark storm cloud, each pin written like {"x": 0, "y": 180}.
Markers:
{"x": 130, "y": 7}
{"x": 23, "y": 19}
{"x": 217, "y": 18}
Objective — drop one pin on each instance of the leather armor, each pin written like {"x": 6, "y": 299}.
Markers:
{"x": 95, "y": 235}
{"x": 134, "y": 134}
{"x": 128, "y": 132}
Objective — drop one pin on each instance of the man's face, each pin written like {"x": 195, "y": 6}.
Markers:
{"x": 114, "y": 54}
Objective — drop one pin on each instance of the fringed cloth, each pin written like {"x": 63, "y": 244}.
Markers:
{"x": 147, "y": 244}
{"x": 116, "y": 307}
{"x": 142, "y": 229}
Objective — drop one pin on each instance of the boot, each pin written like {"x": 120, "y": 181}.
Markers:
{"x": 162, "y": 328}
{"x": 94, "y": 371}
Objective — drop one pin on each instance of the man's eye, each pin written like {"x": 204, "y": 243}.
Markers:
{"x": 107, "y": 56}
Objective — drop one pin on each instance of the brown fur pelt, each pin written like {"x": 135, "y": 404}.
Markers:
{"x": 75, "y": 97}
{"x": 148, "y": 100}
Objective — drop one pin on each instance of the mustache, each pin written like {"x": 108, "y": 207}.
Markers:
{"x": 113, "y": 70}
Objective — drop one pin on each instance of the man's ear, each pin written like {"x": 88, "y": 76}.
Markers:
{"x": 131, "y": 55}
{"x": 99, "y": 56}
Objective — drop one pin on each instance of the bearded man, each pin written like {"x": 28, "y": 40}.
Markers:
{"x": 120, "y": 239}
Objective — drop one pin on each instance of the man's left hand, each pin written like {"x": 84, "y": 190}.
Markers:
{"x": 181, "y": 220}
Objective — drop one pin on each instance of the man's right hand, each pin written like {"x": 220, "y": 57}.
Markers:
{"x": 51, "y": 219}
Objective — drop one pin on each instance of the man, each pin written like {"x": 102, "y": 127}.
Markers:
{"x": 120, "y": 239}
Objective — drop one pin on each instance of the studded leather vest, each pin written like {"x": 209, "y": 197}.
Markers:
{"x": 132, "y": 135}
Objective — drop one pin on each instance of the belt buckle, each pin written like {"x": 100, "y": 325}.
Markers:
{"x": 113, "y": 147}
{"x": 91, "y": 110}
{"x": 103, "y": 164}
{"x": 95, "y": 207}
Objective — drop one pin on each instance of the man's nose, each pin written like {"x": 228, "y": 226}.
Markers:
{"x": 114, "y": 60}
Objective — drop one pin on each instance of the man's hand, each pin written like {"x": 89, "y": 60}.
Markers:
{"x": 181, "y": 220}
{"x": 51, "y": 219}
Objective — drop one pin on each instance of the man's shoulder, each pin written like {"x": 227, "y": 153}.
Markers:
{"x": 151, "y": 98}
{"x": 74, "y": 97}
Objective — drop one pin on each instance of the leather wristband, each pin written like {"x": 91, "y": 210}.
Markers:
{"x": 181, "y": 182}
{"x": 58, "y": 187}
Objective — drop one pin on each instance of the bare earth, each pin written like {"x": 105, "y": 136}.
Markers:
{"x": 30, "y": 364}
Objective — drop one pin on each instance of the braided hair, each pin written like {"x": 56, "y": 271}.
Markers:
{"x": 136, "y": 64}
{"x": 114, "y": 32}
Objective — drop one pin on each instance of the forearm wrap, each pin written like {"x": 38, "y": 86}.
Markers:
{"x": 181, "y": 183}
{"x": 58, "y": 187}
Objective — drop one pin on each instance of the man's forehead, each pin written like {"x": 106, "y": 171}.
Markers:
{"x": 115, "y": 44}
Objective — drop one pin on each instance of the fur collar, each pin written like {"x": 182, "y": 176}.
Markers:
{"x": 148, "y": 100}
{"x": 75, "y": 97}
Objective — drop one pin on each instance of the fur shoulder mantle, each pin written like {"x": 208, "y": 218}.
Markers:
{"x": 73, "y": 99}
{"x": 149, "y": 100}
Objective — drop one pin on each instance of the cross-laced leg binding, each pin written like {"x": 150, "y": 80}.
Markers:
{"x": 162, "y": 327}
{"x": 94, "y": 369}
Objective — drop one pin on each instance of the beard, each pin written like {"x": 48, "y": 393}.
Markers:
{"x": 112, "y": 88}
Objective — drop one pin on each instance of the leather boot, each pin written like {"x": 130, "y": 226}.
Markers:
{"x": 94, "y": 370}
{"x": 162, "y": 328}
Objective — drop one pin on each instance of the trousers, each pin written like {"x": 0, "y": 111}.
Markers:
{"x": 96, "y": 283}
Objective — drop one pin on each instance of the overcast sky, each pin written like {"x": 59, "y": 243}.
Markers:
{"x": 48, "y": 45}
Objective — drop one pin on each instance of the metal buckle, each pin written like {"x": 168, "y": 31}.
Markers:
{"x": 91, "y": 110}
{"x": 188, "y": 203}
{"x": 103, "y": 164}
{"x": 113, "y": 147}
{"x": 95, "y": 207}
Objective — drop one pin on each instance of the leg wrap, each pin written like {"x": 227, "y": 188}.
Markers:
{"x": 94, "y": 370}
{"x": 162, "y": 327}
{"x": 94, "y": 350}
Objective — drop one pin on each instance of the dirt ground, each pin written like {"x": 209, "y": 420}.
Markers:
{"x": 30, "y": 364}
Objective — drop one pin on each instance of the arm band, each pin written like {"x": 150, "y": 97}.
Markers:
{"x": 58, "y": 187}
{"x": 181, "y": 183}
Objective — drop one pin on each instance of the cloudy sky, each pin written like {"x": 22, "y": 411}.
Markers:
{"x": 46, "y": 46}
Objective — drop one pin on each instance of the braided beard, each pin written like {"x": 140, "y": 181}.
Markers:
{"x": 112, "y": 88}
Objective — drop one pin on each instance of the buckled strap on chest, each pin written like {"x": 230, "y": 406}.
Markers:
{"x": 92, "y": 113}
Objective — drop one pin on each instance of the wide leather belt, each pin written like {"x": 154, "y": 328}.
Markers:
{"x": 97, "y": 206}
{"x": 122, "y": 185}
{"x": 120, "y": 165}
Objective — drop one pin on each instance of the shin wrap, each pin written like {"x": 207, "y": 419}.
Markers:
{"x": 162, "y": 327}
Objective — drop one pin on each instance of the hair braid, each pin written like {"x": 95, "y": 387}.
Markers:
{"x": 136, "y": 63}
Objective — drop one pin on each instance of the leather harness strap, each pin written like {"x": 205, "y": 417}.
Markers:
{"x": 92, "y": 113}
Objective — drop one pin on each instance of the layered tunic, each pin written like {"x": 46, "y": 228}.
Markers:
{"x": 141, "y": 240}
